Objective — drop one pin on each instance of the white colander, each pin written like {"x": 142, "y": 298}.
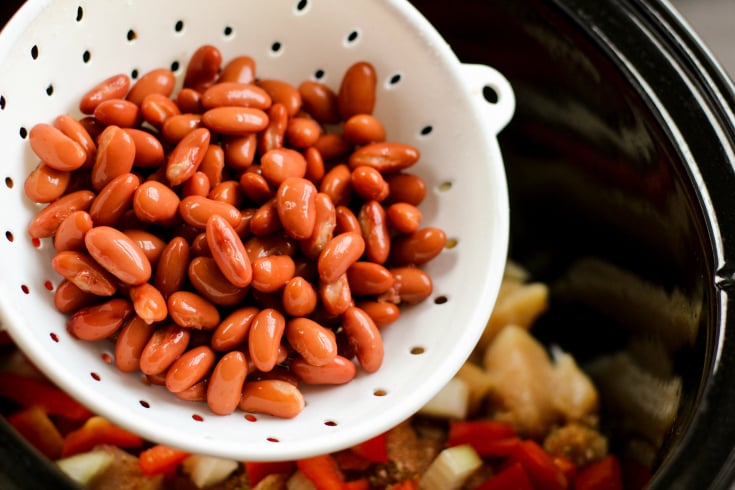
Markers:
{"x": 53, "y": 51}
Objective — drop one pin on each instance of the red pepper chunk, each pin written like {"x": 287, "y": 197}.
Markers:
{"x": 374, "y": 450}
{"x": 600, "y": 475}
{"x": 322, "y": 471}
{"x": 161, "y": 459}
{"x": 488, "y": 438}
{"x": 512, "y": 477}
{"x": 539, "y": 466}
{"x": 28, "y": 392}
{"x": 412, "y": 484}
{"x": 97, "y": 431}
{"x": 38, "y": 429}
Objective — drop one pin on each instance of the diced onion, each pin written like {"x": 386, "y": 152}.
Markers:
{"x": 451, "y": 468}
{"x": 83, "y": 467}
{"x": 208, "y": 470}
{"x": 451, "y": 402}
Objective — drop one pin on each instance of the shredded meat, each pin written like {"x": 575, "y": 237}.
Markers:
{"x": 409, "y": 452}
{"x": 578, "y": 442}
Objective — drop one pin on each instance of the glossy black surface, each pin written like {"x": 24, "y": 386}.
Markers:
{"x": 621, "y": 149}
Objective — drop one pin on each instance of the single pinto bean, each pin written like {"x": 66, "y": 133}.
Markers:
{"x": 255, "y": 187}
{"x": 130, "y": 343}
{"x": 177, "y": 126}
{"x": 45, "y": 223}
{"x": 404, "y": 217}
{"x": 86, "y": 274}
{"x": 316, "y": 344}
{"x": 77, "y": 132}
{"x": 115, "y": 156}
{"x": 299, "y": 297}
{"x": 383, "y": 313}
{"x": 336, "y": 372}
{"x": 271, "y": 274}
{"x": 281, "y": 163}
{"x": 337, "y": 184}
{"x": 236, "y": 121}
{"x": 157, "y": 108}
{"x": 197, "y": 210}
{"x": 235, "y": 94}
{"x": 149, "y": 303}
{"x": 114, "y": 87}
{"x": 302, "y": 132}
{"x": 185, "y": 159}
{"x": 357, "y": 90}
{"x": 56, "y": 149}
{"x": 213, "y": 164}
{"x": 157, "y": 81}
{"x": 412, "y": 285}
{"x": 228, "y": 251}
{"x": 273, "y": 397}
{"x": 240, "y": 69}
{"x": 114, "y": 199}
{"x": 117, "y": 253}
{"x": 406, "y": 187}
{"x": 369, "y": 278}
{"x": 374, "y": 228}
{"x": 314, "y": 165}
{"x": 118, "y": 112}
{"x": 363, "y": 129}
{"x": 418, "y": 247}
{"x": 70, "y": 233}
{"x": 365, "y": 338}
{"x": 203, "y": 67}
{"x": 189, "y": 101}
{"x": 346, "y": 221}
{"x": 98, "y": 322}
{"x": 190, "y": 310}
{"x": 296, "y": 206}
{"x": 282, "y": 92}
{"x": 264, "y": 338}
{"x": 385, "y": 156}
{"x": 319, "y": 101}
{"x": 151, "y": 245}
{"x": 207, "y": 278}
{"x": 233, "y": 331}
{"x": 68, "y": 298}
{"x": 338, "y": 255}
{"x": 172, "y": 265}
{"x": 265, "y": 219}
{"x": 336, "y": 296}
{"x": 155, "y": 203}
{"x": 190, "y": 368}
{"x": 273, "y": 136}
{"x": 324, "y": 224}
{"x": 239, "y": 151}
{"x": 163, "y": 348}
{"x": 369, "y": 183}
{"x": 226, "y": 383}
{"x": 149, "y": 151}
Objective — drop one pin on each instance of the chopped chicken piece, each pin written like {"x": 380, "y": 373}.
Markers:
{"x": 529, "y": 390}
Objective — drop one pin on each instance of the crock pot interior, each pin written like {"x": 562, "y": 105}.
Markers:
{"x": 595, "y": 174}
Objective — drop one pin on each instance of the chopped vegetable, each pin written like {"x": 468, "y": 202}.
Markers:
{"x": 97, "y": 431}
{"x": 478, "y": 384}
{"x": 299, "y": 481}
{"x": 83, "y": 467}
{"x": 374, "y": 449}
{"x": 601, "y": 475}
{"x": 539, "y": 466}
{"x": 205, "y": 471}
{"x": 405, "y": 485}
{"x": 489, "y": 438}
{"x": 452, "y": 401}
{"x": 511, "y": 478}
{"x": 361, "y": 484}
{"x": 38, "y": 429}
{"x": 451, "y": 468}
{"x": 257, "y": 470}
{"x": 322, "y": 471}
{"x": 161, "y": 459}
{"x": 28, "y": 391}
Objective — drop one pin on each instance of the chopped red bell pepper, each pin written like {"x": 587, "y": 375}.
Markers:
{"x": 361, "y": 484}
{"x": 374, "y": 449}
{"x": 539, "y": 466}
{"x": 489, "y": 438}
{"x": 161, "y": 459}
{"x": 96, "y": 431}
{"x": 322, "y": 471}
{"x": 512, "y": 477}
{"x": 257, "y": 470}
{"x": 27, "y": 392}
{"x": 348, "y": 460}
{"x": 38, "y": 429}
{"x": 604, "y": 474}
{"x": 566, "y": 466}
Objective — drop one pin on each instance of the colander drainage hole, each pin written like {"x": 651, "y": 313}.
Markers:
{"x": 80, "y": 13}
{"x": 34, "y": 52}
{"x": 490, "y": 94}
{"x": 352, "y": 37}
{"x": 9, "y": 182}
{"x": 319, "y": 74}
{"x": 394, "y": 80}
{"x": 25, "y": 289}
{"x": 426, "y": 130}
{"x": 197, "y": 418}
{"x": 54, "y": 337}
{"x": 330, "y": 423}
{"x": 95, "y": 376}
{"x": 144, "y": 404}
{"x": 179, "y": 26}
{"x": 380, "y": 392}
{"x": 50, "y": 90}
{"x": 228, "y": 31}
{"x": 131, "y": 35}
{"x": 272, "y": 439}
{"x": 417, "y": 351}
{"x": 451, "y": 243}
{"x": 23, "y": 132}
{"x": 2, "y": 102}
{"x": 445, "y": 186}
{"x": 134, "y": 73}
{"x": 250, "y": 417}
{"x": 175, "y": 66}
{"x": 86, "y": 56}
{"x": 9, "y": 236}
{"x": 276, "y": 47}
{"x": 301, "y": 5}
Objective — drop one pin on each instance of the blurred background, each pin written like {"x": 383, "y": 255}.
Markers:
{"x": 713, "y": 21}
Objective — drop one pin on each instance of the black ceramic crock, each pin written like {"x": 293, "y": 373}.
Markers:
{"x": 622, "y": 149}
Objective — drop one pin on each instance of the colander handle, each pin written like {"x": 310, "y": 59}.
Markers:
{"x": 492, "y": 92}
